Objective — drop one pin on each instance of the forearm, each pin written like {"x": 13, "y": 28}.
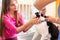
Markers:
{"x": 27, "y": 28}
{"x": 55, "y": 20}
{"x": 19, "y": 29}
{"x": 39, "y": 4}
{"x": 58, "y": 21}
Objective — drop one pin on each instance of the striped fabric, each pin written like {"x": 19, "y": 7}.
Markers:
{"x": 58, "y": 13}
{"x": 57, "y": 9}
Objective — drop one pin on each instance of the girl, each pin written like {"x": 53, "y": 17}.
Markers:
{"x": 13, "y": 21}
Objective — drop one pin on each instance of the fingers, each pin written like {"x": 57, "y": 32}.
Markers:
{"x": 47, "y": 18}
{"x": 34, "y": 16}
{"x": 43, "y": 11}
{"x": 37, "y": 21}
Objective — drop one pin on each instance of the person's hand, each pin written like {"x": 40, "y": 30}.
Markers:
{"x": 35, "y": 20}
{"x": 58, "y": 27}
{"x": 51, "y": 19}
{"x": 43, "y": 11}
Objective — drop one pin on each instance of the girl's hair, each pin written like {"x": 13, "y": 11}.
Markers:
{"x": 5, "y": 6}
{"x": 5, "y": 9}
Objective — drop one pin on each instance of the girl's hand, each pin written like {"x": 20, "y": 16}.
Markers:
{"x": 35, "y": 20}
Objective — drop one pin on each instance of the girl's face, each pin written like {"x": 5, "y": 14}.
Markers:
{"x": 13, "y": 5}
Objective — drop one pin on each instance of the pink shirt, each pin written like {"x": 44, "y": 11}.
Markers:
{"x": 10, "y": 28}
{"x": 0, "y": 38}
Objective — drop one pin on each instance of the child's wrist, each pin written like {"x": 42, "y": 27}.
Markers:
{"x": 30, "y": 22}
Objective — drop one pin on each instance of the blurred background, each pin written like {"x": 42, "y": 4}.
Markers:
{"x": 27, "y": 9}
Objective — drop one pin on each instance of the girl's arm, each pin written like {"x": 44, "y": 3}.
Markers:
{"x": 28, "y": 25}
{"x": 11, "y": 26}
{"x": 25, "y": 27}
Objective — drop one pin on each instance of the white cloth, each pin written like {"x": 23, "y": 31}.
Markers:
{"x": 42, "y": 30}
